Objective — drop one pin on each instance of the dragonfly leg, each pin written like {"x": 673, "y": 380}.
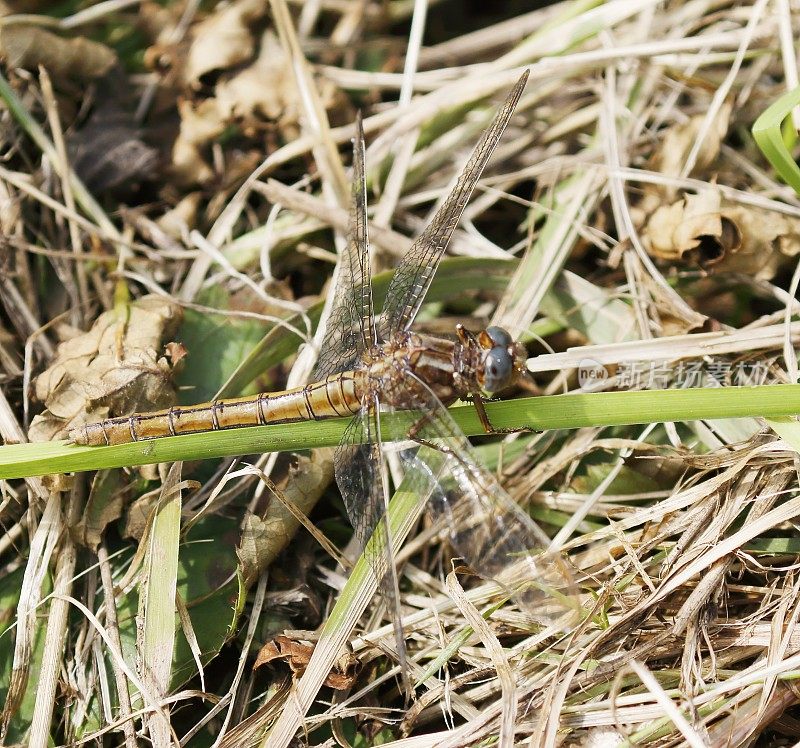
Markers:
{"x": 415, "y": 435}
{"x": 477, "y": 401}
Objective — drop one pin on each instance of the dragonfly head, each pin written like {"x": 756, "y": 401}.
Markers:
{"x": 501, "y": 360}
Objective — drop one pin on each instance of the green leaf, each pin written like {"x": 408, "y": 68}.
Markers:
{"x": 216, "y": 345}
{"x": 208, "y": 584}
{"x": 769, "y": 134}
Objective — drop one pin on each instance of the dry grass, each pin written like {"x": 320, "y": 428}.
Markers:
{"x": 198, "y": 155}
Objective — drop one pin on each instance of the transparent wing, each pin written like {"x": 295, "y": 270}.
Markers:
{"x": 360, "y": 473}
{"x": 486, "y": 527}
{"x": 413, "y": 277}
{"x": 351, "y": 325}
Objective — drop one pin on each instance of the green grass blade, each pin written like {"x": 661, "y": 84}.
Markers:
{"x": 541, "y": 413}
{"x": 769, "y": 135}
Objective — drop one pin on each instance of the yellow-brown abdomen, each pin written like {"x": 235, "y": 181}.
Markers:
{"x": 335, "y": 396}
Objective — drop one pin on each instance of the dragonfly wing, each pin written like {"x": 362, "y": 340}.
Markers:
{"x": 351, "y": 325}
{"x": 415, "y": 273}
{"x": 487, "y": 528}
{"x": 360, "y": 471}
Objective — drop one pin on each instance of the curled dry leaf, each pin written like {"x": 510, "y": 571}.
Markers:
{"x": 691, "y": 230}
{"x": 76, "y": 58}
{"x": 138, "y": 514}
{"x": 200, "y": 124}
{"x": 669, "y": 159}
{"x": 223, "y": 40}
{"x": 700, "y": 230}
{"x": 262, "y": 91}
{"x": 177, "y": 222}
{"x": 768, "y": 241}
{"x": 114, "y": 368}
{"x": 266, "y": 88}
{"x": 104, "y": 506}
{"x": 297, "y": 654}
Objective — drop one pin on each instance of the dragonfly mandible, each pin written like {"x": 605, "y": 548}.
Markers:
{"x": 370, "y": 365}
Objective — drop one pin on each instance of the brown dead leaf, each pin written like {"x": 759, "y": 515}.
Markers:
{"x": 679, "y": 139}
{"x": 200, "y": 124}
{"x": 178, "y": 221}
{"x": 76, "y": 58}
{"x": 103, "y": 507}
{"x": 176, "y": 352}
{"x": 114, "y": 368}
{"x": 692, "y": 230}
{"x": 138, "y": 515}
{"x": 700, "y": 230}
{"x": 264, "y": 89}
{"x": 297, "y": 655}
{"x": 669, "y": 159}
{"x": 768, "y": 241}
{"x": 673, "y": 318}
{"x": 223, "y": 40}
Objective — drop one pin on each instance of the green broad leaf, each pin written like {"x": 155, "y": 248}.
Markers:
{"x": 216, "y": 345}
{"x": 208, "y": 584}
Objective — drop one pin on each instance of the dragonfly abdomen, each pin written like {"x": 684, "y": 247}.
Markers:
{"x": 335, "y": 396}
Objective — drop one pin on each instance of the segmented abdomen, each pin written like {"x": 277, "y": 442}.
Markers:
{"x": 335, "y": 396}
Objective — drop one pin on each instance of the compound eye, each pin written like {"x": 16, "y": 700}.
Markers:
{"x": 499, "y": 336}
{"x": 498, "y": 368}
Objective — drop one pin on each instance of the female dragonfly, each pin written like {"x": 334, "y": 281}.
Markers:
{"x": 371, "y": 365}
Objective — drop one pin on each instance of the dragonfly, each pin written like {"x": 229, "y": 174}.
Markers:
{"x": 373, "y": 365}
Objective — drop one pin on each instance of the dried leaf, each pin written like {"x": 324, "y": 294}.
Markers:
{"x": 255, "y": 545}
{"x": 178, "y": 221}
{"x": 264, "y": 89}
{"x": 103, "y": 507}
{"x": 679, "y": 139}
{"x": 223, "y": 40}
{"x": 200, "y": 124}
{"x": 297, "y": 655}
{"x": 263, "y": 539}
{"x": 138, "y": 515}
{"x": 76, "y": 58}
{"x": 768, "y": 241}
{"x": 113, "y": 369}
{"x": 691, "y": 226}
{"x": 699, "y": 230}
{"x": 670, "y": 158}
{"x": 176, "y": 352}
